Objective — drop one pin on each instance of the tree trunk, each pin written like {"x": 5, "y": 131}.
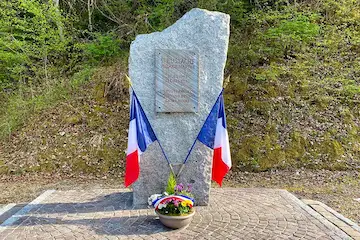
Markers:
{"x": 58, "y": 23}
{"x": 90, "y": 3}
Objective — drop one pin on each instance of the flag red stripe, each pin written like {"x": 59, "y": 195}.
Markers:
{"x": 219, "y": 168}
{"x": 132, "y": 169}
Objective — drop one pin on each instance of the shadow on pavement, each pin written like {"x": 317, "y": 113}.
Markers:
{"x": 88, "y": 215}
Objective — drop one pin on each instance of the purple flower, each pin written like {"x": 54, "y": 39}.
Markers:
{"x": 176, "y": 203}
{"x": 179, "y": 187}
{"x": 189, "y": 187}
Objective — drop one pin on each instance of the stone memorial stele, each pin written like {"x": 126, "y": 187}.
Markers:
{"x": 177, "y": 75}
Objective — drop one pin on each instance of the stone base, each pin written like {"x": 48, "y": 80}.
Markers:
{"x": 197, "y": 172}
{"x": 154, "y": 173}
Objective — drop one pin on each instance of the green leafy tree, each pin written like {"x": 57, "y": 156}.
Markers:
{"x": 30, "y": 42}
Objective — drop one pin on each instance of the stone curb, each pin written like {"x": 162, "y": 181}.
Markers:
{"x": 339, "y": 232}
{"x": 345, "y": 224}
{"x": 6, "y": 208}
{"x": 25, "y": 210}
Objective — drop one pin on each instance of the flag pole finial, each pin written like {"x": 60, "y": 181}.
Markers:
{"x": 129, "y": 80}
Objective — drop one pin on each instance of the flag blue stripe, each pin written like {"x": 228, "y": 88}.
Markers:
{"x": 144, "y": 131}
{"x": 222, "y": 111}
{"x": 207, "y": 132}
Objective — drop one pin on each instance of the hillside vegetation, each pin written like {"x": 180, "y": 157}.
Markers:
{"x": 292, "y": 88}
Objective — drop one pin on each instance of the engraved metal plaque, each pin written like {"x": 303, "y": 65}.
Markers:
{"x": 177, "y": 80}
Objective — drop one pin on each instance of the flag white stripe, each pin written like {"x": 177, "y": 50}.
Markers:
{"x": 225, "y": 153}
{"x": 218, "y": 141}
{"x": 132, "y": 138}
{"x": 222, "y": 140}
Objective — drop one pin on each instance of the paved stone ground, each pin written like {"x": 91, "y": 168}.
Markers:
{"x": 108, "y": 214}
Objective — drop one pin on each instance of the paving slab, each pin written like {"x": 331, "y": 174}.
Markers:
{"x": 233, "y": 213}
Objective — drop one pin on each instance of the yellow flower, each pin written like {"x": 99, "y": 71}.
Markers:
{"x": 186, "y": 203}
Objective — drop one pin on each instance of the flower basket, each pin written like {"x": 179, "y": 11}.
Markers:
{"x": 176, "y": 222}
{"x": 175, "y": 210}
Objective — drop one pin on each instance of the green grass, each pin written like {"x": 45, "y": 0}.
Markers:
{"x": 19, "y": 106}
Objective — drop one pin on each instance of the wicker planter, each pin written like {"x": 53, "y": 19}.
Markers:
{"x": 175, "y": 222}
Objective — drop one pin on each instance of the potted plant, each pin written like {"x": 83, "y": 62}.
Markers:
{"x": 175, "y": 207}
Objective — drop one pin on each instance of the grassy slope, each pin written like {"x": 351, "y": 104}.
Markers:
{"x": 293, "y": 96}
{"x": 84, "y": 133}
{"x": 292, "y": 101}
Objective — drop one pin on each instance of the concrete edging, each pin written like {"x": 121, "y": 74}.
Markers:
{"x": 343, "y": 223}
{"x": 339, "y": 232}
{"x": 7, "y": 208}
{"x": 24, "y": 210}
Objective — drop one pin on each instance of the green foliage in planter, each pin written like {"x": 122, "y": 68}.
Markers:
{"x": 172, "y": 210}
{"x": 171, "y": 183}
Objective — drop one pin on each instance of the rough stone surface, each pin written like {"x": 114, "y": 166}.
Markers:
{"x": 206, "y": 33}
{"x": 232, "y": 214}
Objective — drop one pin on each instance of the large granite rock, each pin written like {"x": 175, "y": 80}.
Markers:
{"x": 206, "y": 33}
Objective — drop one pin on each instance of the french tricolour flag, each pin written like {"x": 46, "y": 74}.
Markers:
{"x": 141, "y": 135}
{"x": 214, "y": 135}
